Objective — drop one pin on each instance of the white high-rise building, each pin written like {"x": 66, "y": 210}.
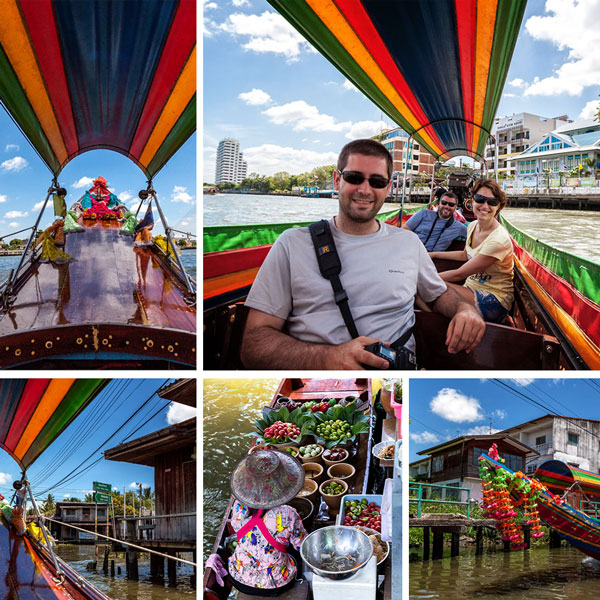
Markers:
{"x": 231, "y": 165}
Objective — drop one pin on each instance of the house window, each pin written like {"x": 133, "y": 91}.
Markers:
{"x": 437, "y": 464}
{"x": 573, "y": 439}
{"x": 540, "y": 440}
{"x": 530, "y": 469}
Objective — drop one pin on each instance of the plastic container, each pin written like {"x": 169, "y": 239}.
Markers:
{"x": 311, "y": 487}
{"x": 386, "y": 511}
{"x": 344, "y": 471}
{"x": 328, "y": 462}
{"x": 312, "y": 459}
{"x": 377, "y": 498}
{"x": 313, "y": 471}
{"x": 397, "y": 412}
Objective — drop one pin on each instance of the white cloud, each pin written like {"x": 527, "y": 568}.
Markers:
{"x": 3, "y": 198}
{"x": 509, "y": 95}
{"x": 239, "y": 3}
{"x": 66, "y": 495}
{"x": 523, "y": 381}
{"x": 5, "y": 478}
{"x": 268, "y": 32}
{"x": 16, "y": 164}
{"x": 302, "y": 115}
{"x": 210, "y": 5}
{"x": 481, "y": 430}
{"x": 454, "y": 406}
{"x": 15, "y": 214}
{"x": 180, "y": 412}
{"x": 38, "y": 205}
{"x": 348, "y": 85}
{"x": 570, "y": 25}
{"x": 501, "y": 414}
{"x": 13, "y": 224}
{"x": 185, "y": 223}
{"x": 135, "y": 485}
{"x": 255, "y": 97}
{"x": 365, "y": 129}
{"x": 425, "y": 437}
{"x": 84, "y": 182}
{"x": 180, "y": 194}
{"x": 518, "y": 83}
{"x": 11, "y": 147}
{"x": 125, "y": 196}
{"x": 590, "y": 110}
{"x": 269, "y": 159}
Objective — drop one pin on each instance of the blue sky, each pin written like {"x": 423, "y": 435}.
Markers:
{"x": 24, "y": 181}
{"x": 113, "y": 406}
{"x": 443, "y": 409}
{"x": 292, "y": 110}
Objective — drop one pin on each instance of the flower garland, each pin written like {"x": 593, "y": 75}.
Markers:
{"x": 497, "y": 484}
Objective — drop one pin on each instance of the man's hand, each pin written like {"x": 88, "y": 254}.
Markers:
{"x": 465, "y": 330}
{"x": 352, "y": 355}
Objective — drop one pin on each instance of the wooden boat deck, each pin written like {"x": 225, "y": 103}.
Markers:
{"x": 109, "y": 283}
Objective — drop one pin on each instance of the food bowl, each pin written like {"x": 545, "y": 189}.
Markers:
{"x": 333, "y": 501}
{"x": 344, "y": 471}
{"x": 305, "y": 510}
{"x": 336, "y": 552}
{"x": 328, "y": 462}
{"x": 384, "y": 546}
{"x": 309, "y": 490}
{"x": 312, "y": 459}
{"x": 384, "y": 462}
{"x": 313, "y": 471}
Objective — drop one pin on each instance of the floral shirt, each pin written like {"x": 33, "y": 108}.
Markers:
{"x": 255, "y": 562}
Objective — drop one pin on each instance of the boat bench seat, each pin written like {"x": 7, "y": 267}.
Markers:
{"x": 502, "y": 347}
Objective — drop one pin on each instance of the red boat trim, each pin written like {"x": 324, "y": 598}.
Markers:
{"x": 231, "y": 261}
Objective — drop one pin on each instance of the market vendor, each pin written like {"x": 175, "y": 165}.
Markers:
{"x": 262, "y": 483}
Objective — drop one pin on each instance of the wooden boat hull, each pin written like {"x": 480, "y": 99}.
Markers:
{"x": 113, "y": 305}
{"x": 303, "y": 390}
{"x": 27, "y": 572}
{"x": 577, "y": 528}
{"x": 556, "y": 324}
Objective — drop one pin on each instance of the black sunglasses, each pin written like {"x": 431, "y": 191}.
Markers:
{"x": 480, "y": 199}
{"x": 446, "y": 203}
{"x": 356, "y": 178}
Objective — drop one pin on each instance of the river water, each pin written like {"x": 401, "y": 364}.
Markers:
{"x": 573, "y": 231}
{"x": 230, "y": 408}
{"x": 539, "y": 574}
{"x": 121, "y": 588}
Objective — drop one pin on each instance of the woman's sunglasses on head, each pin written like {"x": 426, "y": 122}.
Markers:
{"x": 377, "y": 182}
{"x": 480, "y": 199}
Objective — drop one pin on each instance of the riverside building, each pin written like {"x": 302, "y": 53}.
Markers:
{"x": 571, "y": 146}
{"x": 231, "y": 166}
{"x": 515, "y": 134}
{"x": 396, "y": 141}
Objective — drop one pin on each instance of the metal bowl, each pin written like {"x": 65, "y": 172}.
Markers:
{"x": 336, "y": 543}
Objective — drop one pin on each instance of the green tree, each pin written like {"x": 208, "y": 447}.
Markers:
{"x": 49, "y": 506}
{"x": 226, "y": 185}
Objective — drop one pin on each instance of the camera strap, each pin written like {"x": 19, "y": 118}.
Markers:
{"x": 330, "y": 266}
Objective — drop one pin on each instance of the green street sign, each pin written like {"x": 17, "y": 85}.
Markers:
{"x": 100, "y": 497}
{"x": 105, "y": 488}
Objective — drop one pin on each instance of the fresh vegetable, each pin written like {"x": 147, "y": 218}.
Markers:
{"x": 280, "y": 430}
{"x": 387, "y": 453}
{"x": 334, "y": 430}
{"x": 362, "y": 512}
{"x": 310, "y": 451}
{"x": 335, "y": 454}
{"x": 291, "y": 450}
{"x": 333, "y": 488}
{"x": 340, "y": 424}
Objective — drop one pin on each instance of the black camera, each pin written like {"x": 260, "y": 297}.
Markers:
{"x": 400, "y": 359}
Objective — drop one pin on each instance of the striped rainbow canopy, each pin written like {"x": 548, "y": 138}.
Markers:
{"x": 557, "y": 476}
{"x": 437, "y": 68}
{"x": 34, "y": 412}
{"x": 114, "y": 74}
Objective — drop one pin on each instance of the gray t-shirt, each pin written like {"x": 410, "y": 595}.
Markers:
{"x": 381, "y": 274}
{"x": 436, "y": 234}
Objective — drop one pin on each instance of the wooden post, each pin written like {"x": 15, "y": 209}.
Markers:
{"x": 527, "y": 536}
{"x": 172, "y": 570}
{"x": 105, "y": 561}
{"x": 425, "y": 543}
{"x": 454, "y": 547}
{"x": 112, "y": 568}
{"x": 555, "y": 539}
{"x": 131, "y": 560}
{"x": 479, "y": 541}
{"x": 157, "y": 567}
{"x": 438, "y": 543}
{"x": 507, "y": 546}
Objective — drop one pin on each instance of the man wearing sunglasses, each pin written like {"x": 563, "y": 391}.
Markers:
{"x": 437, "y": 229}
{"x": 294, "y": 321}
